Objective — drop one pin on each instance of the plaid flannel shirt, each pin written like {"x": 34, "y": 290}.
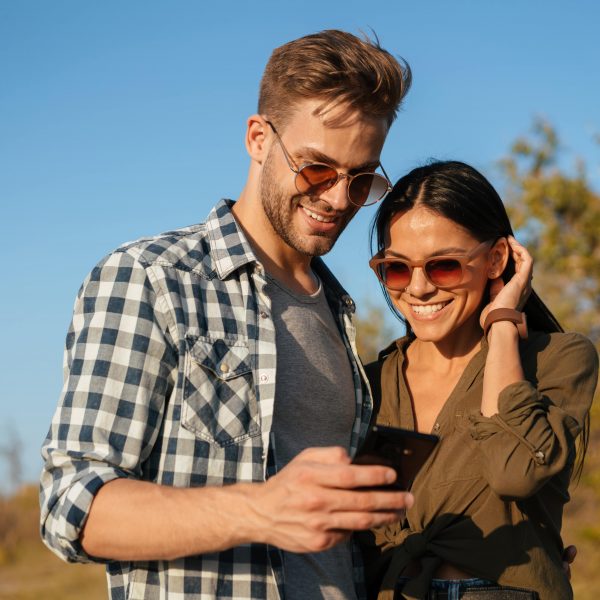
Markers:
{"x": 170, "y": 377}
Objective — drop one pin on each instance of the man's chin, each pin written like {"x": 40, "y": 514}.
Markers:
{"x": 316, "y": 245}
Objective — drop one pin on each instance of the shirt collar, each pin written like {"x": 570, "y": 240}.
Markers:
{"x": 229, "y": 248}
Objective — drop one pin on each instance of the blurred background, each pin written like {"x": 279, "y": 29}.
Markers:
{"x": 125, "y": 119}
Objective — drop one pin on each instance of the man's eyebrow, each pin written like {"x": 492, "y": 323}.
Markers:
{"x": 313, "y": 155}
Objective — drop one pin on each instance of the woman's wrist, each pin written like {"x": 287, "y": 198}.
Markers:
{"x": 506, "y": 314}
{"x": 505, "y": 331}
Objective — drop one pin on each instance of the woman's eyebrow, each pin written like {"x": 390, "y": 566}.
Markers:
{"x": 441, "y": 252}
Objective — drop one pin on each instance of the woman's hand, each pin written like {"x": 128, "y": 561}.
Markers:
{"x": 513, "y": 294}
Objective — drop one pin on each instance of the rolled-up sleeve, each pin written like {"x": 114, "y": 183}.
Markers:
{"x": 532, "y": 437}
{"x": 120, "y": 365}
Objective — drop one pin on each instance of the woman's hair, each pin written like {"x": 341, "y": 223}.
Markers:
{"x": 460, "y": 193}
{"x": 339, "y": 69}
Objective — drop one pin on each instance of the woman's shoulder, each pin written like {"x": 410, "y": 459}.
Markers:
{"x": 541, "y": 341}
{"x": 565, "y": 349}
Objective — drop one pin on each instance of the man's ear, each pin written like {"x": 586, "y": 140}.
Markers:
{"x": 257, "y": 137}
{"x": 498, "y": 258}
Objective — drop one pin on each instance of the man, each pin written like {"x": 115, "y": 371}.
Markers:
{"x": 213, "y": 393}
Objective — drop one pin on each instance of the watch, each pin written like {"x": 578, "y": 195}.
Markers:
{"x": 506, "y": 314}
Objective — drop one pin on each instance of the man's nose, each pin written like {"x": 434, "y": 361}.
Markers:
{"x": 337, "y": 195}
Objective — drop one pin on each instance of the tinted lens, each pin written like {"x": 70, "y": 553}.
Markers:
{"x": 315, "y": 179}
{"x": 367, "y": 188}
{"x": 395, "y": 275}
{"x": 444, "y": 272}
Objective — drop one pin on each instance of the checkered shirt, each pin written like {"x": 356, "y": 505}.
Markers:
{"x": 170, "y": 377}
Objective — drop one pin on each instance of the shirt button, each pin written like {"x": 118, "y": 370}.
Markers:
{"x": 263, "y": 315}
{"x": 540, "y": 457}
{"x": 436, "y": 427}
{"x": 224, "y": 368}
{"x": 264, "y": 378}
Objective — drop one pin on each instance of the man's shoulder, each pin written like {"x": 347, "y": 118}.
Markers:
{"x": 201, "y": 248}
{"x": 185, "y": 248}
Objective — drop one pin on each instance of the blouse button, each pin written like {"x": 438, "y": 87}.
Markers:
{"x": 436, "y": 427}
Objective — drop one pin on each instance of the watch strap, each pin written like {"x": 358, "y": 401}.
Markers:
{"x": 506, "y": 314}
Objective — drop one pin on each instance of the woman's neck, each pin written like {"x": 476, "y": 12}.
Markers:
{"x": 452, "y": 353}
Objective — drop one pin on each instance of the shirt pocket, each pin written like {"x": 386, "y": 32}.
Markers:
{"x": 219, "y": 402}
{"x": 458, "y": 457}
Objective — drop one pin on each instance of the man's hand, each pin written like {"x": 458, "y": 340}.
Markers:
{"x": 315, "y": 502}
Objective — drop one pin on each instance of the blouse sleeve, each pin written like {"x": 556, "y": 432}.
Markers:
{"x": 532, "y": 437}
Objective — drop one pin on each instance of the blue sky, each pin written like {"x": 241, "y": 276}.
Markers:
{"x": 122, "y": 119}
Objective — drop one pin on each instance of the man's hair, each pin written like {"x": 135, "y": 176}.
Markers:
{"x": 338, "y": 68}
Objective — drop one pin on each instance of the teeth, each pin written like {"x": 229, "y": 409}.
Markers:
{"x": 317, "y": 217}
{"x": 427, "y": 309}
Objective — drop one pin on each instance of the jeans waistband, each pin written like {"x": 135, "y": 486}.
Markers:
{"x": 471, "y": 589}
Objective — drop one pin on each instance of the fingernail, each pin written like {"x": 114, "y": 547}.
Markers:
{"x": 390, "y": 476}
{"x": 409, "y": 500}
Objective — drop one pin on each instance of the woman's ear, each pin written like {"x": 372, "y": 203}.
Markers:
{"x": 498, "y": 258}
{"x": 256, "y": 138}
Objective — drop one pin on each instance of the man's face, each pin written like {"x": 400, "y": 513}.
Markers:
{"x": 311, "y": 224}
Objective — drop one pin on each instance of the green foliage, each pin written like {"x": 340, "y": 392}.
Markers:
{"x": 557, "y": 215}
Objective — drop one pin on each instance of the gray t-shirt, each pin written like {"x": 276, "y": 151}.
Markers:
{"x": 314, "y": 406}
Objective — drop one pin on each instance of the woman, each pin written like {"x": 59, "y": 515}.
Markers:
{"x": 507, "y": 406}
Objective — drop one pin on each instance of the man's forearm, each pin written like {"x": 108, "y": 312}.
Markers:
{"x": 315, "y": 502}
{"x": 139, "y": 520}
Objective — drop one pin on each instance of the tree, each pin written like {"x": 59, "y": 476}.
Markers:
{"x": 557, "y": 215}
{"x": 11, "y": 451}
{"x": 374, "y": 332}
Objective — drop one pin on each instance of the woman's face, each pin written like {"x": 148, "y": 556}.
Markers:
{"x": 434, "y": 313}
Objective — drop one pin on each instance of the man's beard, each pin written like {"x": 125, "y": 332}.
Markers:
{"x": 280, "y": 211}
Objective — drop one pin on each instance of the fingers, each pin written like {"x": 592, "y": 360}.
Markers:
{"x": 368, "y": 501}
{"x": 313, "y": 502}
{"x": 330, "y": 467}
{"x": 522, "y": 257}
{"x": 325, "y": 455}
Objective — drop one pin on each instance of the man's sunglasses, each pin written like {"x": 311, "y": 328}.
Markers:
{"x": 441, "y": 271}
{"x": 313, "y": 179}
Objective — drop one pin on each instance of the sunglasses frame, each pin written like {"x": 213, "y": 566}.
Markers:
{"x": 462, "y": 259}
{"x": 298, "y": 171}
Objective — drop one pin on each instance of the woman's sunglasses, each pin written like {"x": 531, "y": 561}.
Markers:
{"x": 441, "y": 271}
{"x": 314, "y": 179}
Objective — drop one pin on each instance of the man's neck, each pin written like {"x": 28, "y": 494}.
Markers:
{"x": 282, "y": 262}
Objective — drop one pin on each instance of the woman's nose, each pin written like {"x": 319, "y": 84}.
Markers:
{"x": 419, "y": 285}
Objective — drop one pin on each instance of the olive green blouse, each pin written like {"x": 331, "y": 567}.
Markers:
{"x": 490, "y": 498}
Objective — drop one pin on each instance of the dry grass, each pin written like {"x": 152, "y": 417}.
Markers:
{"x": 28, "y": 570}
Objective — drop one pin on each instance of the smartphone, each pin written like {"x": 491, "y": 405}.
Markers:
{"x": 402, "y": 449}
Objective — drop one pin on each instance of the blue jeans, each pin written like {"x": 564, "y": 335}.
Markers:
{"x": 456, "y": 589}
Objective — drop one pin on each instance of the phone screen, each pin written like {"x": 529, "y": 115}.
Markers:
{"x": 402, "y": 449}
